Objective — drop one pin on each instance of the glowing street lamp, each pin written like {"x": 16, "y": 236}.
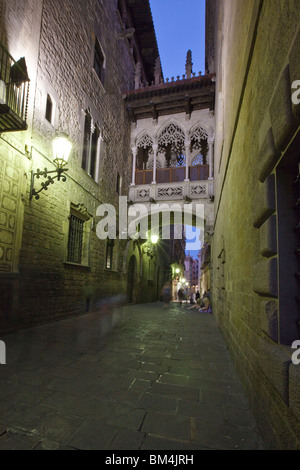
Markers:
{"x": 154, "y": 239}
{"x": 61, "y": 151}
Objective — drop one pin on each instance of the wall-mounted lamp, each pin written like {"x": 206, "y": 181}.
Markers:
{"x": 154, "y": 239}
{"x": 61, "y": 152}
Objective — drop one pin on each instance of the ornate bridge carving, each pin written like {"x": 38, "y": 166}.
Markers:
{"x": 183, "y": 191}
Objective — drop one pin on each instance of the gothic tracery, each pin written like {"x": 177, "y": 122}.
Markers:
{"x": 145, "y": 141}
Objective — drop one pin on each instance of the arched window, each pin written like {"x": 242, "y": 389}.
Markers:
{"x": 199, "y": 142}
{"x": 144, "y": 141}
{"x": 171, "y": 142}
{"x": 144, "y": 146}
{"x": 172, "y": 134}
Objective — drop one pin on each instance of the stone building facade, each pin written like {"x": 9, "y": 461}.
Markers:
{"x": 205, "y": 268}
{"x": 255, "y": 251}
{"x": 80, "y": 58}
{"x": 191, "y": 273}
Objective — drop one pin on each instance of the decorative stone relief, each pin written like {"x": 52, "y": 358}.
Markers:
{"x": 170, "y": 192}
{"x": 143, "y": 193}
{"x": 198, "y": 190}
{"x": 9, "y": 204}
{"x": 80, "y": 209}
{"x": 172, "y": 134}
{"x": 145, "y": 141}
{"x": 199, "y": 134}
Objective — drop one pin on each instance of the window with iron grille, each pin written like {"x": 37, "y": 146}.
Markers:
{"x": 79, "y": 236}
{"x": 76, "y": 231}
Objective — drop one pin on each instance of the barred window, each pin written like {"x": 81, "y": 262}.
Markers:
{"x": 78, "y": 239}
{"x": 75, "y": 239}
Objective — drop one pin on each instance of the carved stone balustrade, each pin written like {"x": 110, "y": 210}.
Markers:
{"x": 182, "y": 191}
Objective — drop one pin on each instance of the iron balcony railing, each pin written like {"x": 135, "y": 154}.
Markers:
{"x": 14, "y": 92}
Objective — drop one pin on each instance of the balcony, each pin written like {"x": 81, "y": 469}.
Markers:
{"x": 171, "y": 185}
{"x": 14, "y": 90}
{"x": 172, "y": 175}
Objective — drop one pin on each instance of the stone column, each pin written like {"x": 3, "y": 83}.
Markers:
{"x": 155, "y": 149}
{"x": 210, "y": 142}
{"x": 187, "y": 160}
{"x": 134, "y": 152}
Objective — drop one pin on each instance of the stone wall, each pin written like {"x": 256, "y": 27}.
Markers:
{"x": 257, "y": 45}
{"x": 19, "y": 33}
{"x": 49, "y": 286}
{"x": 60, "y": 55}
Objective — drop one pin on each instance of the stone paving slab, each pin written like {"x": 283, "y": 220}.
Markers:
{"x": 13, "y": 441}
{"x": 158, "y": 380}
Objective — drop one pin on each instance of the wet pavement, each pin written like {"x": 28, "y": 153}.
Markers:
{"x": 143, "y": 378}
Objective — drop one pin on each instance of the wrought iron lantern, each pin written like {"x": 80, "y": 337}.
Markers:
{"x": 61, "y": 152}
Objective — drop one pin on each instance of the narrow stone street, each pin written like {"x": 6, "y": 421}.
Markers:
{"x": 141, "y": 378}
